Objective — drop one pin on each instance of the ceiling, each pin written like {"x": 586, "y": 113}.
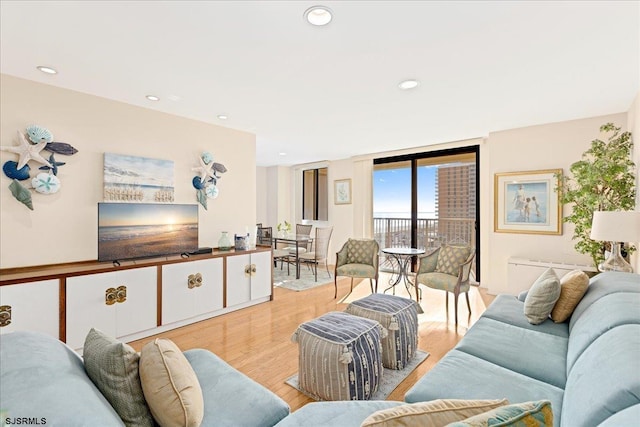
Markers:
{"x": 325, "y": 93}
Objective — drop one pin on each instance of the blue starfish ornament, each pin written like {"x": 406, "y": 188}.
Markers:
{"x": 54, "y": 165}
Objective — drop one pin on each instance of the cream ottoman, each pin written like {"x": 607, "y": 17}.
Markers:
{"x": 340, "y": 357}
{"x": 400, "y": 317}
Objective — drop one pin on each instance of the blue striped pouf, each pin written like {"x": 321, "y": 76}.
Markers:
{"x": 340, "y": 357}
{"x": 400, "y": 317}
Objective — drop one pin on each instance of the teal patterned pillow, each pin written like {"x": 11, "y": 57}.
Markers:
{"x": 113, "y": 367}
{"x": 450, "y": 258}
{"x": 526, "y": 414}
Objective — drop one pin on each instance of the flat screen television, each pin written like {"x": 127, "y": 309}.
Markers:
{"x": 143, "y": 230}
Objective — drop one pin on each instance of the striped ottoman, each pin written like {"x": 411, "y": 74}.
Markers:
{"x": 340, "y": 357}
{"x": 400, "y": 317}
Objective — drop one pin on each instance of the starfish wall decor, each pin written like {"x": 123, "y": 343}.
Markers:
{"x": 31, "y": 144}
{"x": 206, "y": 183}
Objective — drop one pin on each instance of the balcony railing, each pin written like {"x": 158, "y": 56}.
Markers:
{"x": 431, "y": 233}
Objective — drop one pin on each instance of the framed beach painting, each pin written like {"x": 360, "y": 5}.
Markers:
{"x": 342, "y": 191}
{"x": 137, "y": 179}
{"x": 527, "y": 202}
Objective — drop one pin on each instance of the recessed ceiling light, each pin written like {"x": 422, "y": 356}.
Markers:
{"x": 318, "y": 15}
{"x": 408, "y": 84}
{"x": 282, "y": 154}
{"x": 47, "y": 70}
{"x": 223, "y": 116}
{"x": 152, "y": 98}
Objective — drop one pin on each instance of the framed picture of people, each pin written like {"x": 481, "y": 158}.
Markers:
{"x": 527, "y": 202}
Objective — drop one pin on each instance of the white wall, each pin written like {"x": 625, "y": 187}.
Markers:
{"x": 63, "y": 226}
{"x": 549, "y": 146}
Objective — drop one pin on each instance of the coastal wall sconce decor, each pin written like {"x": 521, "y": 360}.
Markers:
{"x": 206, "y": 182}
{"x": 137, "y": 179}
{"x": 527, "y": 202}
{"x": 342, "y": 191}
{"x": 30, "y": 149}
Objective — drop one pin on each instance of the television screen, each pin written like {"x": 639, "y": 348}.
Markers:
{"x": 139, "y": 230}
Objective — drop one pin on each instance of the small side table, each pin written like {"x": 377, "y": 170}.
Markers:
{"x": 403, "y": 256}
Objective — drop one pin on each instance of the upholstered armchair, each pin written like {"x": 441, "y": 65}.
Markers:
{"x": 357, "y": 258}
{"x": 447, "y": 268}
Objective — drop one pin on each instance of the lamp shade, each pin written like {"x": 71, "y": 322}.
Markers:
{"x": 618, "y": 226}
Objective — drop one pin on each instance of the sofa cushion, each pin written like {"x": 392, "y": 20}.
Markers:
{"x": 523, "y": 414}
{"x": 231, "y": 398}
{"x": 610, "y": 282}
{"x": 434, "y": 413}
{"x": 606, "y": 313}
{"x": 573, "y": 286}
{"x": 535, "y": 354}
{"x": 459, "y": 375}
{"x": 113, "y": 368}
{"x": 508, "y": 309}
{"x": 450, "y": 258}
{"x": 542, "y": 297}
{"x": 626, "y": 417}
{"x": 170, "y": 385}
{"x": 343, "y": 413}
{"x": 48, "y": 380}
{"x": 605, "y": 379}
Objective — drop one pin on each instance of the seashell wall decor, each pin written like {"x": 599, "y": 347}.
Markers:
{"x": 206, "y": 182}
{"x": 31, "y": 145}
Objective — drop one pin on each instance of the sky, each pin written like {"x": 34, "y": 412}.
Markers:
{"x": 132, "y": 214}
{"x": 392, "y": 192}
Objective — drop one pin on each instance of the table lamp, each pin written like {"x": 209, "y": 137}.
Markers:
{"x": 616, "y": 227}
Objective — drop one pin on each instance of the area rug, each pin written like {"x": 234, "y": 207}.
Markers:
{"x": 307, "y": 279}
{"x": 391, "y": 378}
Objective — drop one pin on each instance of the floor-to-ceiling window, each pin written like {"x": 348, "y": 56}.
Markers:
{"x": 423, "y": 200}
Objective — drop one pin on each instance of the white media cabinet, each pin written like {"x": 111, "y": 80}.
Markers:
{"x": 134, "y": 300}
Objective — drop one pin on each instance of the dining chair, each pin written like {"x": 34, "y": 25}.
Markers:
{"x": 357, "y": 258}
{"x": 447, "y": 268}
{"x": 320, "y": 250}
{"x": 301, "y": 230}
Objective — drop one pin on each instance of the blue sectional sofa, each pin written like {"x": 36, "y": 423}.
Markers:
{"x": 588, "y": 367}
{"x": 43, "y": 379}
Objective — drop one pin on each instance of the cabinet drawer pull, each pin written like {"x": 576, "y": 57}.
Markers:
{"x": 194, "y": 281}
{"x": 247, "y": 270}
{"x": 110, "y": 296}
{"x": 121, "y": 294}
{"x": 253, "y": 270}
{"x": 5, "y": 315}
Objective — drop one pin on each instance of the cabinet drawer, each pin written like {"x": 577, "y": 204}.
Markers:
{"x": 30, "y": 306}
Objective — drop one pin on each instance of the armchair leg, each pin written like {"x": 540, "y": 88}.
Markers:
{"x": 371, "y": 284}
{"x": 446, "y": 301}
{"x": 351, "y": 285}
{"x": 468, "y": 304}
{"x": 335, "y": 284}
{"x": 455, "y": 305}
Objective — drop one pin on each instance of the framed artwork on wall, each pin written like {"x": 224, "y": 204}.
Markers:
{"x": 342, "y": 191}
{"x": 527, "y": 202}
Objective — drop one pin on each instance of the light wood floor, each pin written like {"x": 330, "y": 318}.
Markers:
{"x": 256, "y": 340}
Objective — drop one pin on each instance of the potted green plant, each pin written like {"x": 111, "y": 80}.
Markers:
{"x": 603, "y": 180}
{"x": 284, "y": 228}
